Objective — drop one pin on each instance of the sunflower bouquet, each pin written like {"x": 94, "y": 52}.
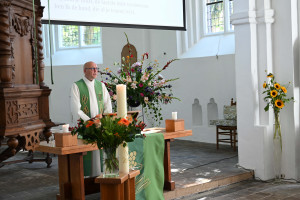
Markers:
{"x": 276, "y": 97}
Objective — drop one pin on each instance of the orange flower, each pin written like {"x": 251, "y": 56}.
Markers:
{"x": 270, "y": 75}
{"x": 117, "y": 134}
{"x": 123, "y": 121}
{"x": 99, "y": 116}
{"x": 90, "y": 123}
{"x": 97, "y": 122}
{"x": 277, "y": 86}
{"x": 283, "y": 89}
{"x": 129, "y": 118}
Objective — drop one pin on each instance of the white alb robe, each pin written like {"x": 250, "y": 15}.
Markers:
{"x": 77, "y": 113}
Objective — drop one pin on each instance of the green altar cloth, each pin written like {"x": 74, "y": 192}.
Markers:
{"x": 147, "y": 155}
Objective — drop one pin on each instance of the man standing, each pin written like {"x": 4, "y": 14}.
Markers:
{"x": 89, "y": 97}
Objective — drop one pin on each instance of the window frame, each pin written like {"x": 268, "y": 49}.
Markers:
{"x": 227, "y": 14}
{"x": 58, "y": 35}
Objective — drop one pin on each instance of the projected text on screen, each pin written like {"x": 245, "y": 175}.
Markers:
{"x": 153, "y": 13}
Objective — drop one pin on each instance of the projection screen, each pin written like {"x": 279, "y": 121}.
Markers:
{"x": 153, "y": 14}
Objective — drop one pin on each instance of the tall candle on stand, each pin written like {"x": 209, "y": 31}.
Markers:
{"x": 121, "y": 101}
{"x": 122, "y": 112}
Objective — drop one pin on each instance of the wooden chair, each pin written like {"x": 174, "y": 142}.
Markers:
{"x": 227, "y": 126}
{"x": 230, "y": 131}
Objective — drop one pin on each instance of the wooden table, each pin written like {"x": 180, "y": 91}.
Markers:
{"x": 70, "y": 168}
{"x": 70, "y": 165}
{"x": 168, "y": 136}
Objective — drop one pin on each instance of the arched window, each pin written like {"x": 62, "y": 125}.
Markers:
{"x": 208, "y": 29}
{"x": 217, "y": 16}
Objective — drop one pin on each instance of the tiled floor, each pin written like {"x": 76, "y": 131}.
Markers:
{"x": 194, "y": 165}
{"x": 251, "y": 190}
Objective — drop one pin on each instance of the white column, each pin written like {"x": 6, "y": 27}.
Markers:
{"x": 251, "y": 135}
{"x": 286, "y": 67}
{"x": 263, "y": 45}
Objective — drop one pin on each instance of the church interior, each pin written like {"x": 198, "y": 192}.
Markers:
{"x": 225, "y": 54}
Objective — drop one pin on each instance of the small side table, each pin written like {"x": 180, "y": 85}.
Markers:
{"x": 119, "y": 188}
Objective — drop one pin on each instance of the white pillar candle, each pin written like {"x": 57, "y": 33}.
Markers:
{"x": 123, "y": 159}
{"x": 65, "y": 128}
{"x": 122, "y": 113}
{"x": 121, "y": 101}
{"x": 174, "y": 115}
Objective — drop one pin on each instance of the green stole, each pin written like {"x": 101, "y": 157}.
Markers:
{"x": 85, "y": 107}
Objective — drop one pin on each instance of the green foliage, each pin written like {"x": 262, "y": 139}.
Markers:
{"x": 108, "y": 131}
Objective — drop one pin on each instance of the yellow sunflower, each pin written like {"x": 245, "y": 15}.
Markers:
{"x": 277, "y": 86}
{"x": 270, "y": 75}
{"x": 283, "y": 89}
{"x": 273, "y": 93}
{"x": 279, "y": 103}
{"x": 265, "y": 85}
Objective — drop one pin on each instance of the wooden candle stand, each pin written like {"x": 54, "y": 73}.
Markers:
{"x": 65, "y": 139}
{"x": 119, "y": 188}
{"x": 174, "y": 125}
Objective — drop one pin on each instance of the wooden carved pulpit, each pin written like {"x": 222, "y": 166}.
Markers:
{"x": 24, "y": 106}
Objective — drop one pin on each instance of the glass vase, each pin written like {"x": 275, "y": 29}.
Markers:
{"x": 111, "y": 163}
{"x": 277, "y": 151}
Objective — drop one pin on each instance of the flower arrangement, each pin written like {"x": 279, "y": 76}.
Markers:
{"x": 144, "y": 83}
{"x": 276, "y": 98}
{"x": 108, "y": 132}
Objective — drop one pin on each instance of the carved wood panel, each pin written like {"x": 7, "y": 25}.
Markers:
{"x": 28, "y": 109}
{"x": 32, "y": 139}
{"x": 11, "y": 112}
{"x": 22, "y": 34}
{"x": 21, "y": 24}
{"x": 22, "y": 110}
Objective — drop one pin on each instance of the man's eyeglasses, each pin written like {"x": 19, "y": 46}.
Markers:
{"x": 92, "y": 68}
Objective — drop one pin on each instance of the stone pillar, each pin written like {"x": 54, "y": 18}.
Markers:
{"x": 286, "y": 68}
{"x": 251, "y": 135}
{"x": 262, "y": 45}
